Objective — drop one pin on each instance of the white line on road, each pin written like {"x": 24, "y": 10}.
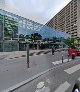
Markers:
{"x": 40, "y": 85}
{"x": 79, "y": 79}
{"x": 57, "y": 62}
{"x": 63, "y": 87}
{"x": 41, "y": 88}
{"x": 73, "y": 69}
{"x": 60, "y": 61}
{"x": 41, "y": 54}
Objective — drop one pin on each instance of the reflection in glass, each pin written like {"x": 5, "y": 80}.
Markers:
{"x": 14, "y": 28}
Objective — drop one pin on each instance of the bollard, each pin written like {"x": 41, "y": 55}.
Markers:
{"x": 62, "y": 58}
{"x": 68, "y": 57}
{"x": 27, "y": 50}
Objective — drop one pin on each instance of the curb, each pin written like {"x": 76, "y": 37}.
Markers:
{"x": 15, "y": 87}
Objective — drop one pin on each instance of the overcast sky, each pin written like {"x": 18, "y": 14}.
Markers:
{"x": 38, "y": 10}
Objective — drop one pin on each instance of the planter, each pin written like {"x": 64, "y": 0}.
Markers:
{"x": 70, "y": 51}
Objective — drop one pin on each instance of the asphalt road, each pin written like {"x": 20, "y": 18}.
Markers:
{"x": 60, "y": 79}
{"x": 15, "y": 71}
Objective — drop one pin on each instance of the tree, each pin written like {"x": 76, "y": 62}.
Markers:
{"x": 27, "y": 37}
{"x": 21, "y": 36}
{"x": 71, "y": 42}
{"x": 10, "y": 27}
{"x": 36, "y": 36}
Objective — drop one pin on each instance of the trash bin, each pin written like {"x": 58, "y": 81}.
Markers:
{"x": 73, "y": 55}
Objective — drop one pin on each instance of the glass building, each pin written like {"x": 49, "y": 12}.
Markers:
{"x": 14, "y": 29}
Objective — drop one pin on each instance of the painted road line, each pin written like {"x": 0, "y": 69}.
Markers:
{"x": 16, "y": 86}
{"x": 41, "y": 88}
{"x": 78, "y": 79}
{"x": 63, "y": 87}
{"x": 41, "y": 54}
{"x": 73, "y": 69}
{"x": 60, "y": 61}
{"x": 57, "y": 62}
{"x": 40, "y": 85}
{"x": 66, "y": 60}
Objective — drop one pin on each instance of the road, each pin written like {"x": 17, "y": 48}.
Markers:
{"x": 15, "y": 71}
{"x": 61, "y": 79}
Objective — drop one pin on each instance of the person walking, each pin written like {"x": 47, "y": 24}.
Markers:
{"x": 76, "y": 88}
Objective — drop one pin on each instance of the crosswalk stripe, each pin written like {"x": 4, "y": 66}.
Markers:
{"x": 63, "y": 87}
{"x": 57, "y": 62}
{"x": 79, "y": 79}
{"x": 60, "y": 61}
{"x": 73, "y": 69}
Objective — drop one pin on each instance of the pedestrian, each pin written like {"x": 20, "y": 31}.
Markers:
{"x": 76, "y": 88}
{"x": 53, "y": 50}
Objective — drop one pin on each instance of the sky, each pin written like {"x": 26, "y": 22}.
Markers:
{"x": 40, "y": 11}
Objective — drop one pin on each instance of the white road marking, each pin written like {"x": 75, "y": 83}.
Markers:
{"x": 60, "y": 61}
{"x": 63, "y": 87}
{"x": 57, "y": 62}
{"x": 42, "y": 88}
{"x": 79, "y": 79}
{"x": 41, "y": 54}
{"x": 47, "y": 80}
{"x": 73, "y": 69}
{"x": 56, "y": 52}
{"x": 40, "y": 85}
{"x": 63, "y": 51}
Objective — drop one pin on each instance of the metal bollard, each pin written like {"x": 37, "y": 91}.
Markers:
{"x": 62, "y": 58}
{"x": 27, "y": 50}
{"x": 68, "y": 57}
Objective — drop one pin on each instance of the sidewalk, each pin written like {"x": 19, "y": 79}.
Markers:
{"x": 17, "y": 54}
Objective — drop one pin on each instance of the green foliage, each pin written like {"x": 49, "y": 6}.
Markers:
{"x": 46, "y": 39}
{"x": 27, "y": 36}
{"x": 21, "y": 36}
{"x": 71, "y": 42}
{"x": 10, "y": 26}
{"x": 36, "y": 36}
{"x": 1, "y": 19}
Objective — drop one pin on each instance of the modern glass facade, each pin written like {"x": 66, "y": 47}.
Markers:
{"x": 14, "y": 28}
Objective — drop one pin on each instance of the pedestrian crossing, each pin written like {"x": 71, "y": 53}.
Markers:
{"x": 73, "y": 69}
{"x": 60, "y": 61}
{"x": 78, "y": 79}
{"x": 66, "y": 85}
{"x": 63, "y": 87}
